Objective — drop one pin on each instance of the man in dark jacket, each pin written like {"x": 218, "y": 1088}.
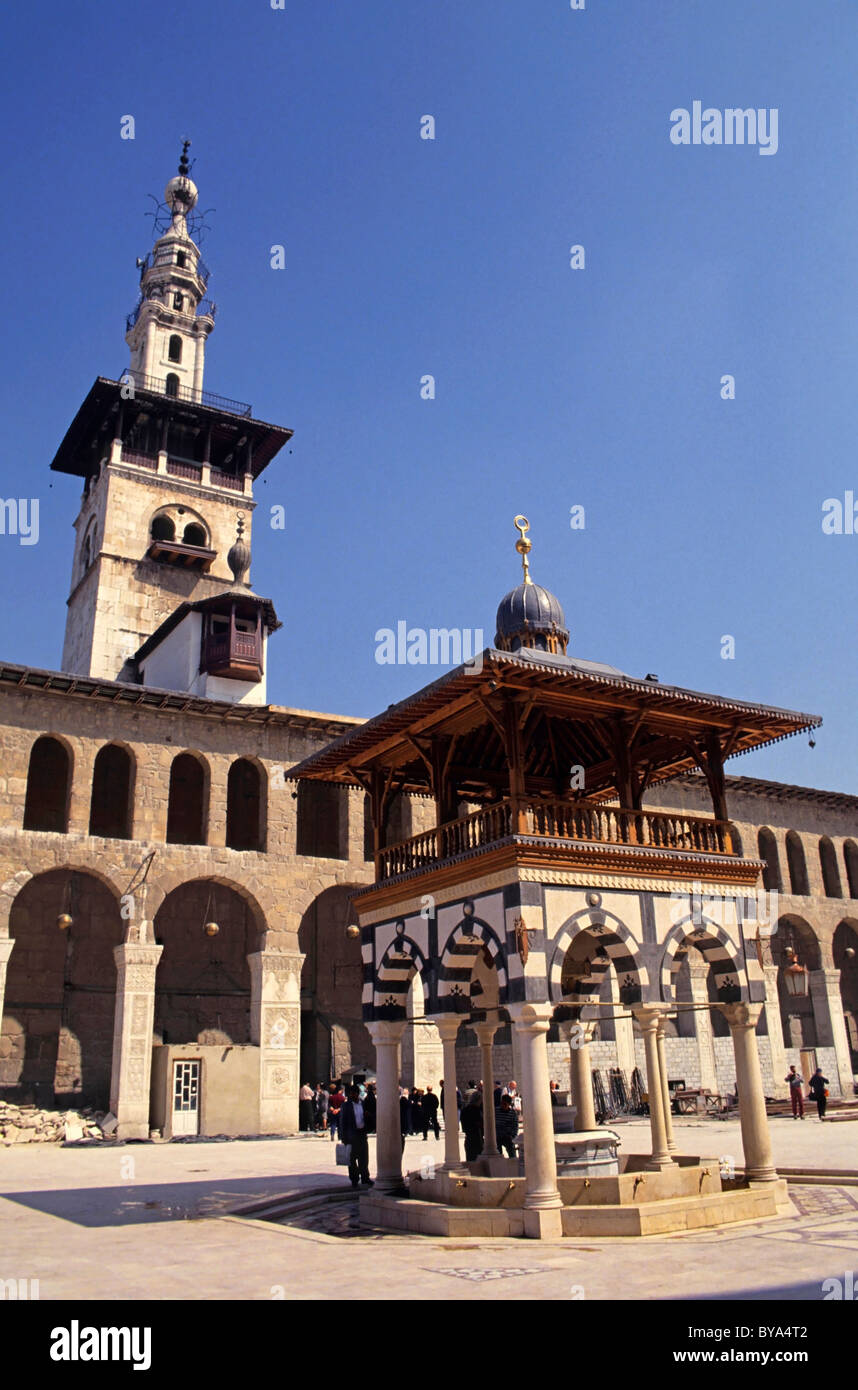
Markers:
{"x": 472, "y": 1125}
{"x": 818, "y": 1083}
{"x": 506, "y": 1126}
{"x": 353, "y": 1132}
{"x": 430, "y": 1113}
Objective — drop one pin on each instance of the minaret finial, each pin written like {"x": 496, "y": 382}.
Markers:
{"x": 523, "y": 545}
{"x": 238, "y": 558}
{"x": 184, "y": 166}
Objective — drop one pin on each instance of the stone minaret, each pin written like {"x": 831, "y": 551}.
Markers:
{"x": 165, "y": 465}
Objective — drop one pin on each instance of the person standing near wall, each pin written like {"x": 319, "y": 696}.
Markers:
{"x": 796, "y": 1086}
{"x": 305, "y": 1107}
{"x": 819, "y": 1091}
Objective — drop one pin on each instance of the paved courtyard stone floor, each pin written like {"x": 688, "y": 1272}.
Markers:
{"x": 158, "y": 1221}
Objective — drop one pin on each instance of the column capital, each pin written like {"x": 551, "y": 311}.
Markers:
{"x": 585, "y": 1028}
{"x": 742, "y": 1015}
{"x": 287, "y": 963}
{"x": 448, "y": 1025}
{"x": 145, "y": 953}
{"x": 486, "y": 1031}
{"x": 650, "y": 1016}
{"x": 531, "y": 1018}
{"x": 386, "y": 1032}
{"x": 829, "y": 975}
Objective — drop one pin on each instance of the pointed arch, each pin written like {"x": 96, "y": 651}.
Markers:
{"x": 621, "y": 951}
{"x": 722, "y": 955}
{"x": 402, "y": 959}
{"x": 468, "y": 940}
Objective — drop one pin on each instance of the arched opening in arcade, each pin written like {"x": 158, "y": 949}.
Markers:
{"x": 57, "y": 1032}
{"x": 334, "y": 1040}
{"x": 599, "y": 982}
{"x": 202, "y": 983}
{"x": 845, "y": 947}
{"x": 795, "y": 951}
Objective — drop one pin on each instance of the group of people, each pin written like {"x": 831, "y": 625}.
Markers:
{"x": 418, "y": 1111}
{"x": 415, "y": 1118}
{"x": 320, "y": 1108}
{"x": 816, "y": 1090}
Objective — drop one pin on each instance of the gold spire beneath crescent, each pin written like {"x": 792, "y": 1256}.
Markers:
{"x": 523, "y": 545}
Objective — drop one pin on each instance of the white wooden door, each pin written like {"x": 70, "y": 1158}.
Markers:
{"x": 186, "y": 1098}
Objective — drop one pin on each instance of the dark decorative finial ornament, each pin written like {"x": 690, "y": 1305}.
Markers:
{"x": 530, "y": 616}
{"x": 184, "y": 166}
{"x": 238, "y": 558}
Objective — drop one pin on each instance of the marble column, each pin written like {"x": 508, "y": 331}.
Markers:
{"x": 831, "y": 1025}
{"x": 448, "y": 1027}
{"x": 134, "y": 1013}
{"x": 275, "y": 1028}
{"x": 386, "y": 1037}
{"x": 756, "y": 1140}
{"x": 665, "y": 1089}
{"x": 485, "y": 1034}
{"x": 578, "y": 1035}
{"x": 648, "y": 1016}
{"x": 542, "y": 1203}
{"x": 703, "y": 1028}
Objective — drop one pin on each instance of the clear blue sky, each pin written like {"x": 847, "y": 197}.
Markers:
{"x": 555, "y": 387}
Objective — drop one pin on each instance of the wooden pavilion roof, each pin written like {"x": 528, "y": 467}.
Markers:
{"x": 569, "y": 713}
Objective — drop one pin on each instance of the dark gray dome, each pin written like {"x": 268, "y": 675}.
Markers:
{"x": 527, "y": 613}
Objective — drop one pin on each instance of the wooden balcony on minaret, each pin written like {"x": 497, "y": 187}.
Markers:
{"x": 232, "y": 642}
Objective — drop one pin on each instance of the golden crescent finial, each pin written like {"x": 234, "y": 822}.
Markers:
{"x": 523, "y": 545}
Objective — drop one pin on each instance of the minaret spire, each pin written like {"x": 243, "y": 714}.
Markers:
{"x": 167, "y": 331}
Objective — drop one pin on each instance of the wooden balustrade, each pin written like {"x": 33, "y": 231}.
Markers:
{"x": 555, "y": 820}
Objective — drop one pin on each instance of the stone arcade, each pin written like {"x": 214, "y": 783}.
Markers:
{"x": 505, "y": 915}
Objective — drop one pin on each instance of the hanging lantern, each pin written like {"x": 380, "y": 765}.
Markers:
{"x": 797, "y": 979}
{"x": 65, "y": 921}
{"x": 353, "y": 931}
{"x": 211, "y": 928}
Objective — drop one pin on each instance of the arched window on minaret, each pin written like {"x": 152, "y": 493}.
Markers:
{"x": 174, "y": 352}
{"x": 171, "y": 386}
{"x": 178, "y": 301}
{"x": 194, "y": 534}
{"x": 181, "y": 258}
{"x": 163, "y": 528}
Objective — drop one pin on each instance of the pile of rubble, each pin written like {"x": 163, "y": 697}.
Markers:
{"x": 27, "y": 1124}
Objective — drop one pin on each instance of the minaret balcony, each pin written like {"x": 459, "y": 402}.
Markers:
{"x": 193, "y": 557}
{"x": 232, "y": 644}
{"x": 158, "y": 385}
{"x": 567, "y": 834}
